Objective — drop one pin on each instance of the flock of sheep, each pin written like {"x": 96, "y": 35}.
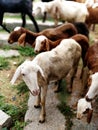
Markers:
{"x": 61, "y": 48}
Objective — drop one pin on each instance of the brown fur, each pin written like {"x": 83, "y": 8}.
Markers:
{"x": 91, "y": 59}
{"x": 92, "y": 18}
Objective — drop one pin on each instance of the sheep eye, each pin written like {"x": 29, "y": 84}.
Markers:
{"x": 86, "y": 111}
{"x": 23, "y": 74}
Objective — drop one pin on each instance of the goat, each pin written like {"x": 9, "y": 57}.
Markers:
{"x": 49, "y": 66}
{"x": 19, "y": 6}
{"x": 91, "y": 61}
{"x": 60, "y": 10}
{"x": 22, "y": 35}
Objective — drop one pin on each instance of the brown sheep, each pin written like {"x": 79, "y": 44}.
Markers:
{"x": 66, "y": 30}
{"x": 92, "y": 18}
{"x": 22, "y": 35}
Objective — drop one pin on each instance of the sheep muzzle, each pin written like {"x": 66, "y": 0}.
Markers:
{"x": 35, "y": 92}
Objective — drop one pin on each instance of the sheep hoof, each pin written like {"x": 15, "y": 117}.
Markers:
{"x": 37, "y": 106}
{"x": 41, "y": 121}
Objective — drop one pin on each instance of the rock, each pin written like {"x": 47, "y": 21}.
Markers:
{"x": 9, "y": 53}
{"x": 5, "y": 119}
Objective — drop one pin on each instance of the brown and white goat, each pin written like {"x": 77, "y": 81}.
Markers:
{"x": 91, "y": 61}
{"x": 49, "y": 66}
{"x": 22, "y": 35}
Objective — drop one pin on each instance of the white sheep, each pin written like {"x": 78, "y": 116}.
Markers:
{"x": 49, "y": 66}
{"x": 85, "y": 104}
{"x": 65, "y": 10}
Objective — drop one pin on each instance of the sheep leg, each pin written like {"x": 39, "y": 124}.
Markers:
{"x": 71, "y": 79}
{"x": 84, "y": 81}
{"x": 43, "y": 100}
{"x": 37, "y": 103}
{"x": 34, "y": 21}
{"x": 1, "y": 22}
{"x": 23, "y": 19}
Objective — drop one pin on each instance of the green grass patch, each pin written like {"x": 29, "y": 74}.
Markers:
{"x": 4, "y": 64}
{"x": 26, "y": 51}
{"x": 22, "y": 88}
{"x": 16, "y": 112}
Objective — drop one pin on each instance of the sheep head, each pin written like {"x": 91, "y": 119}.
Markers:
{"x": 84, "y": 107}
{"x": 29, "y": 71}
{"x": 41, "y": 44}
{"x": 93, "y": 87}
{"x": 14, "y": 35}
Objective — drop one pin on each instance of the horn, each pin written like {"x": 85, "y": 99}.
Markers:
{"x": 89, "y": 115}
{"x": 16, "y": 75}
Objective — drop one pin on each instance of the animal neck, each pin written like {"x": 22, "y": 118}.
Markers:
{"x": 31, "y": 36}
{"x": 53, "y": 44}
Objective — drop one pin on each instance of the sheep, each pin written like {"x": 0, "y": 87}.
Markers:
{"x": 20, "y": 6}
{"x": 91, "y": 61}
{"x": 49, "y": 66}
{"x": 42, "y": 43}
{"x": 60, "y": 10}
{"x": 22, "y": 35}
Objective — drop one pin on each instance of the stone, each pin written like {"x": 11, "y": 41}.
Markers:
{"x": 5, "y": 119}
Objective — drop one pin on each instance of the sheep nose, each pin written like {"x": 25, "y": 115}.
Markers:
{"x": 9, "y": 41}
{"x": 35, "y": 92}
{"x": 78, "y": 118}
{"x": 36, "y": 51}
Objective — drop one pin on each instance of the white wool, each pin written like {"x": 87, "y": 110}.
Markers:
{"x": 60, "y": 10}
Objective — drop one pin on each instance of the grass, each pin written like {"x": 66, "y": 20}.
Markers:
{"x": 13, "y": 100}
{"x": 17, "y": 112}
{"x": 4, "y": 64}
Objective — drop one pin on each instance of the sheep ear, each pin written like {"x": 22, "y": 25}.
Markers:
{"x": 47, "y": 45}
{"x": 89, "y": 81}
{"x": 16, "y": 75}
{"x": 21, "y": 39}
{"x": 41, "y": 72}
{"x": 89, "y": 115}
